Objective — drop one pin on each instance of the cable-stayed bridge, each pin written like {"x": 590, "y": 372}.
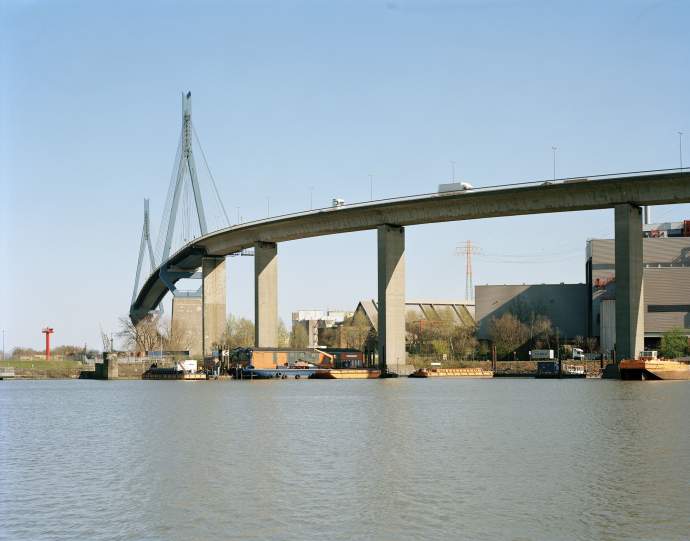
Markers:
{"x": 195, "y": 250}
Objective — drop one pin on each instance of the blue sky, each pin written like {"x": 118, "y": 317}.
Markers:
{"x": 289, "y": 95}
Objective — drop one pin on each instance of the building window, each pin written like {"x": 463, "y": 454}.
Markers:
{"x": 668, "y": 308}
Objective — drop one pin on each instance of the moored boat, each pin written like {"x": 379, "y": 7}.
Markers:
{"x": 276, "y": 373}
{"x": 452, "y": 373}
{"x": 573, "y": 371}
{"x": 654, "y": 369}
{"x": 172, "y": 373}
{"x": 345, "y": 373}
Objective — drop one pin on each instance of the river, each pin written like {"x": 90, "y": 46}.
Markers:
{"x": 398, "y": 459}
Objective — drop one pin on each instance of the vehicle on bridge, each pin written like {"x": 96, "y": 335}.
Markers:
{"x": 455, "y": 187}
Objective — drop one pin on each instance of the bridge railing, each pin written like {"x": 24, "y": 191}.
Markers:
{"x": 525, "y": 184}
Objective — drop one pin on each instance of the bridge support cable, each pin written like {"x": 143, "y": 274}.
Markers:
{"x": 213, "y": 180}
{"x": 143, "y": 246}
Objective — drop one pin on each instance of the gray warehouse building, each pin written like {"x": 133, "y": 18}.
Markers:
{"x": 564, "y": 304}
{"x": 589, "y": 309}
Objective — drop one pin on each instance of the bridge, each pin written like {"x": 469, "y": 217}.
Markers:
{"x": 204, "y": 256}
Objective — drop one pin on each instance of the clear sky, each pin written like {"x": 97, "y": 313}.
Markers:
{"x": 289, "y": 95}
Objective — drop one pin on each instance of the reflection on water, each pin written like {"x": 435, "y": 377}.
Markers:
{"x": 390, "y": 459}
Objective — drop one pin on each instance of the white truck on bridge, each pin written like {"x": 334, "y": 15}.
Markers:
{"x": 455, "y": 187}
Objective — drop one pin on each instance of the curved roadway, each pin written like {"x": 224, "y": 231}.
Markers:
{"x": 511, "y": 200}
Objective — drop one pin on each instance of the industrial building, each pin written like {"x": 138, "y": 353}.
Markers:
{"x": 666, "y": 285}
{"x": 564, "y": 304}
{"x": 588, "y": 309}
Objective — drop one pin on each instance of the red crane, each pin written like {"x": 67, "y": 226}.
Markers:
{"x": 48, "y": 331}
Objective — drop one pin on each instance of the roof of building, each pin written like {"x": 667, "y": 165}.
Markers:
{"x": 462, "y": 312}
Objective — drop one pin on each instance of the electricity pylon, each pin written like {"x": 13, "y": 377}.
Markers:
{"x": 467, "y": 250}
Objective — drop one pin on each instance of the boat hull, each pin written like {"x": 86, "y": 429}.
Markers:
{"x": 180, "y": 376}
{"x": 345, "y": 373}
{"x": 654, "y": 370}
{"x": 277, "y": 373}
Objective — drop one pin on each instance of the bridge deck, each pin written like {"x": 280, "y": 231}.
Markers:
{"x": 512, "y": 200}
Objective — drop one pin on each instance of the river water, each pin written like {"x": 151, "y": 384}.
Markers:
{"x": 310, "y": 460}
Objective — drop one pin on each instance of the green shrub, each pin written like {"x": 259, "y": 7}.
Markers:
{"x": 674, "y": 344}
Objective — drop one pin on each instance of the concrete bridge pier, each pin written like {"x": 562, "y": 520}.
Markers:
{"x": 629, "y": 286}
{"x": 266, "y": 294}
{"x": 213, "y": 313}
{"x": 391, "y": 286}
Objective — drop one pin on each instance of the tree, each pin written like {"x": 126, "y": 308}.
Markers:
{"x": 507, "y": 333}
{"x": 283, "y": 334}
{"x": 144, "y": 336}
{"x": 592, "y": 344}
{"x": 239, "y": 333}
{"x": 542, "y": 330}
{"x": 464, "y": 341}
{"x": 674, "y": 344}
{"x": 298, "y": 336}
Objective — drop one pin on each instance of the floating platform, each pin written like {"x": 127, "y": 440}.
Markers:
{"x": 656, "y": 369}
{"x": 479, "y": 373}
{"x": 345, "y": 373}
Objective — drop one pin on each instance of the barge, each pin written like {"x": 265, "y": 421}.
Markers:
{"x": 654, "y": 369}
{"x": 452, "y": 373}
{"x": 345, "y": 373}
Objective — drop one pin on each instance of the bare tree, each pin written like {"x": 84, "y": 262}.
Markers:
{"x": 592, "y": 344}
{"x": 144, "y": 336}
{"x": 464, "y": 341}
{"x": 507, "y": 333}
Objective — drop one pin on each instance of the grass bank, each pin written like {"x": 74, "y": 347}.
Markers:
{"x": 37, "y": 369}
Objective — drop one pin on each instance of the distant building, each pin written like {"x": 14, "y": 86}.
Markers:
{"x": 313, "y": 320}
{"x": 564, "y": 304}
{"x": 361, "y": 330}
{"x": 460, "y": 312}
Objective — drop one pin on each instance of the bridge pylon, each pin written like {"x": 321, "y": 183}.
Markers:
{"x": 145, "y": 243}
{"x": 185, "y": 163}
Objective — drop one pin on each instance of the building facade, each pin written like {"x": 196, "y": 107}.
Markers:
{"x": 564, "y": 304}
{"x": 312, "y": 321}
{"x": 666, "y": 287}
